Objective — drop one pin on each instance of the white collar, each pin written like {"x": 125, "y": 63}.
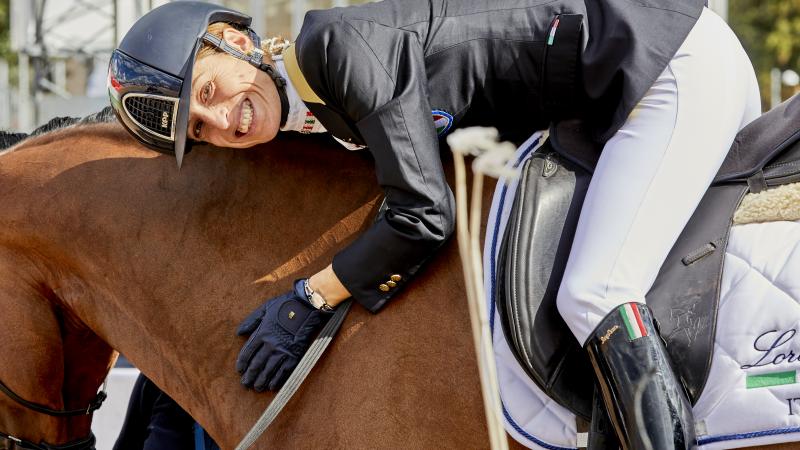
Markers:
{"x": 299, "y": 117}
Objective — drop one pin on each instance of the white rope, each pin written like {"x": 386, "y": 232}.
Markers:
{"x": 492, "y": 158}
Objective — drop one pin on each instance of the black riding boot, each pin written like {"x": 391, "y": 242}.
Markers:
{"x": 601, "y": 432}
{"x": 644, "y": 399}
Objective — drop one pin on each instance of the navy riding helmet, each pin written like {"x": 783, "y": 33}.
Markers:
{"x": 150, "y": 74}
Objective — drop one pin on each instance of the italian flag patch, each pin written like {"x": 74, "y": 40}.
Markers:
{"x": 633, "y": 321}
{"x": 442, "y": 121}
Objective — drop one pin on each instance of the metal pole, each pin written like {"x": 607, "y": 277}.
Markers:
{"x": 775, "y": 87}
{"x": 115, "y": 12}
{"x": 299, "y": 9}
{"x": 41, "y": 63}
{"x": 256, "y": 10}
{"x": 720, "y": 7}
{"x": 5, "y": 97}
{"x": 21, "y": 12}
{"x": 24, "y": 119}
{"x": 60, "y": 74}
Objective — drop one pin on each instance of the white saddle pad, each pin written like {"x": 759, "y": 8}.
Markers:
{"x": 752, "y": 396}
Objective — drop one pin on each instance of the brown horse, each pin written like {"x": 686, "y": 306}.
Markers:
{"x": 105, "y": 246}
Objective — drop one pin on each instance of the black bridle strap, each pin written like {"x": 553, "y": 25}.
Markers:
{"x": 93, "y": 406}
{"x": 84, "y": 444}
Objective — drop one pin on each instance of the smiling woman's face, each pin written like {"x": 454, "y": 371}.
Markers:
{"x": 233, "y": 104}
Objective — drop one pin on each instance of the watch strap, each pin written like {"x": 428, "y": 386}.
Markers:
{"x": 316, "y": 300}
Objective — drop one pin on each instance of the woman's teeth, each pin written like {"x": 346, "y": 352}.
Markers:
{"x": 247, "y": 116}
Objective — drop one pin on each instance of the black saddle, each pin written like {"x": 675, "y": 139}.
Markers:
{"x": 685, "y": 296}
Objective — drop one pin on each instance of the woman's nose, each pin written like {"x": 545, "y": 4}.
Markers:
{"x": 217, "y": 117}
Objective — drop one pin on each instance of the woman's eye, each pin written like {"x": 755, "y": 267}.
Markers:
{"x": 205, "y": 94}
{"x": 198, "y": 129}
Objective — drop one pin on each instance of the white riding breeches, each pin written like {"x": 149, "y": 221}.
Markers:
{"x": 653, "y": 172}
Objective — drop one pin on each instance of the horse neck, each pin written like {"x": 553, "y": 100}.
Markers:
{"x": 56, "y": 374}
{"x": 162, "y": 264}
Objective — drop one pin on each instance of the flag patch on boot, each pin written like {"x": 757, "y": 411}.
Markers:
{"x": 633, "y": 321}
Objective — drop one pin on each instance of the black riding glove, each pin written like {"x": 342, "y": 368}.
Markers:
{"x": 282, "y": 329}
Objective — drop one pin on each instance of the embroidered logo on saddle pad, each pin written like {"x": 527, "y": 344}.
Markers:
{"x": 442, "y": 120}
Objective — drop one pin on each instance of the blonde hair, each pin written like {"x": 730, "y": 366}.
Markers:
{"x": 271, "y": 47}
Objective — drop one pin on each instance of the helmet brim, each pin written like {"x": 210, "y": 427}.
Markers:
{"x": 182, "y": 117}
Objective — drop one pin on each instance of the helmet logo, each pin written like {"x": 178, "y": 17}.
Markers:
{"x": 154, "y": 114}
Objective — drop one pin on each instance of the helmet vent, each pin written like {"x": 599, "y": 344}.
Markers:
{"x": 153, "y": 113}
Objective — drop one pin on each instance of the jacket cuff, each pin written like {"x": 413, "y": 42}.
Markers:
{"x": 374, "y": 269}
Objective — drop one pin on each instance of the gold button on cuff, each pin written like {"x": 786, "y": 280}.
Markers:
{"x": 291, "y": 314}
{"x": 383, "y": 287}
{"x": 391, "y": 284}
{"x": 396, "y": 278}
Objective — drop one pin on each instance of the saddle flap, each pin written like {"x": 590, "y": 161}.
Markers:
{"x": 533, "y": 256}
{"x": 685, "y": 296}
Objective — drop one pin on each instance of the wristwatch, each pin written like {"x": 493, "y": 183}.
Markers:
{"x": 316, "y": 300}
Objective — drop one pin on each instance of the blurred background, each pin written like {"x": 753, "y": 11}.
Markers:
{"x": 54, "y": 53}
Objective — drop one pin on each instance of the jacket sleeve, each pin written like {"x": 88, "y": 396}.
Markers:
{"x": 376, "y": 75}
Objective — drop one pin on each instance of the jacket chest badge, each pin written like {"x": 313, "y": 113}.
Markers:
{"x": 442, "y": 121}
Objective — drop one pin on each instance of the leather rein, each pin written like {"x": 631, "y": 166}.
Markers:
{"x": 82, "y": 444}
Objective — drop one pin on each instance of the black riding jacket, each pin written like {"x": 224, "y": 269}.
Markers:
{"x": 379, "y": 71}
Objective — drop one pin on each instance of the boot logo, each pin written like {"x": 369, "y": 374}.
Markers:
{"x": 609, "y": 332}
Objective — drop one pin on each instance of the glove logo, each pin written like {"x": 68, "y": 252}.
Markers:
{"x": 442, "y": 120}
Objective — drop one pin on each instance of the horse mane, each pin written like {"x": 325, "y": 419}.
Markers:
{"x": 10, "y": 141}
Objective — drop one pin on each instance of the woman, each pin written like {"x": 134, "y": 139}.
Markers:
{"x": 154, "y": 421}
{"x": 661, "y": 87}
